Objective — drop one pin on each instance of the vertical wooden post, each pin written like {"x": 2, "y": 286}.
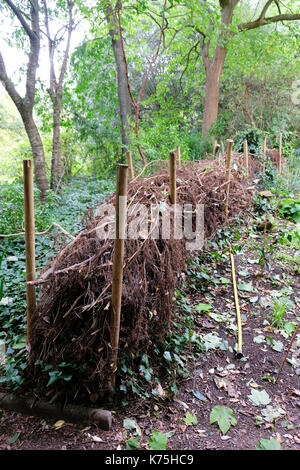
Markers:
{"x": 280, "y": 153}
{"x": 117, "y": 270}
{"x": 265, "y": 145}
{"x": 130, "y": 165}
{"x": 29, "y": 243}
{"x": 178, "y": 155}
{"x": 172, "y": 170}
{"x": 239, "y": 353}
{"x": 216, "y": 149}
{"x": 246, "y": 157}
{"x": 228, "y": 161}
{"x": 287, "y": 353}
{"x": 264, "y": 149}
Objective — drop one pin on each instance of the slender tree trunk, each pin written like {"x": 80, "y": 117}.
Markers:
{"x": 212, "y": 89}
{"x": 37, "y": 151}
{"x": 56, "y": 161}
{"x": 55, "y": 91}
{"x": 123, "y": 95}
{"x": 31, "y": 27}
{"x": 214, "y": 67}
{"x": 121, "y": 71}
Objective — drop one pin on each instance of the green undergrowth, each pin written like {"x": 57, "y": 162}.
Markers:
{"x": 68, "y": 210}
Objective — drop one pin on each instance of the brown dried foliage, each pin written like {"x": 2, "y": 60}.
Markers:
{"x": 71, "y": 323}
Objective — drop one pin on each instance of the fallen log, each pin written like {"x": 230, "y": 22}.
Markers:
{"x": 70, "y": 413}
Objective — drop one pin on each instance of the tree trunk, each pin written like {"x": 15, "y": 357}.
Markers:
{"x": 37, "y": 152}
{"x": 56, "y": 162}
{"x": 214, "y": 67}
{"x": 25, "y": 105}
{"x": 121, "y": 71}
{"x": 123, "y": 95}
{"x": 55, "y": 91}
{"x": 212, "y": 89}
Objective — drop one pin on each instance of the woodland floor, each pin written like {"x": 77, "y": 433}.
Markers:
{"x": 217, "y": 378}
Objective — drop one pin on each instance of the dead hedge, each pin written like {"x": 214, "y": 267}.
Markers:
{"x": 71, "y": 324}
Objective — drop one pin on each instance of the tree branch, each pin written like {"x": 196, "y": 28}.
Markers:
{"x": 51, "y": 50}
{"x": 265, "y": 9}
{"x": 265, "y": 21}
{"x": 188, "y": 56}
{"x": 68, "y": 43}
{"x": 20, "y": 17}
{"x": 55, "y": 85}
{"x": 8, "y": 84}
{"x": 33, "y": 54}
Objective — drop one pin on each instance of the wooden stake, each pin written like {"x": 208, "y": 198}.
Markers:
{"x": 280, "y": 154}
{"x": 246, "y": 157}
{"x": 239, "y": 353}
{"x": 29, "y": 243}
{"x": 216, "y": 149}
{"x": 227, "y": 177}
{"x": 264, "y": 149}
{"x": 265, "y": 145}
{"x": 172, "y": 169}
{"x": 178, "y": 155}
{"x": 288, "y": 350}
{"x": 117, "y": 270}
{"x": 130, "y": 165}
{"x": 264, "y": 246}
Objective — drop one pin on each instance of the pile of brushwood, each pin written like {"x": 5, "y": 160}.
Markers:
{"x": 71, "y": 323}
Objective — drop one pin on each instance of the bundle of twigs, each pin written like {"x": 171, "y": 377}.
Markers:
{"x": 71, "y": 324}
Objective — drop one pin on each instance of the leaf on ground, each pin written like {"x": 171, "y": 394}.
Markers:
{"x": 158, "y": 440}
{"x": 259, "y": 397}
{"x": 243, "y": 272}
{"x": 133, "y": 443}
{"x": 198, "y": 395}
{"x": 277, "y": 346}
{"x": 223, "y": 416}
{"x": 211, "y": 341}
{"x": 220, "y": 382}
{"x": 271, "y": 413}
{"x": 59, "y": 424}
{"x": 13, "y": 438}
{"x": 159, "y": 391}
{"x": 259, "y": 339}
{"x": 289, "y": 327}
{"x": 203, "y": 307}
{"x": 131, "y": 425}
{"x": 190, "y": 419}
{"x": 95, "y": 438}
{"x": 268, "y": 444}
{"x": 224, "y": 280}
{"x": 246, "y": 286}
